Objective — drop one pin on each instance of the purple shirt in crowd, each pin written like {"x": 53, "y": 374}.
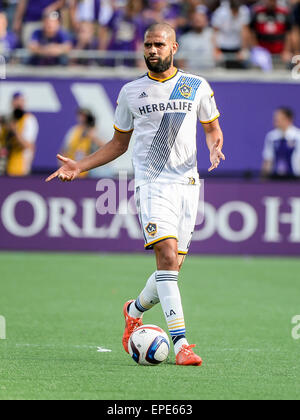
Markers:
{"x": 92, "y": 45}
{"x": 172, "y": 11}
{"x": 61, "y": 37}
{"x": 126, "y": 32}
{"x": 8, "y": 43}
{"x": 35, "y": 9}
{"x": 89, "y": 10}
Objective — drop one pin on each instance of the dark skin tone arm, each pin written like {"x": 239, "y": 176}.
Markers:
{"x": 111, "y": 151}
{"x": 21, "y": 9}
{"x": 19, "y": 14}
{"x": 214, "y": 141}
{"x": 55, "y": 6}
{"x": 119, "y": 145}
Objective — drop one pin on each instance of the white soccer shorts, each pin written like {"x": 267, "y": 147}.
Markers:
{"x": 167, "y": 211}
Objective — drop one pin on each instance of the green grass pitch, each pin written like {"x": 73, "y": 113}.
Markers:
{"x": 60, "y": 308}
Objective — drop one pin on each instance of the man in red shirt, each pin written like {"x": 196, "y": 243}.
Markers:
{"x": 271, "y": 25}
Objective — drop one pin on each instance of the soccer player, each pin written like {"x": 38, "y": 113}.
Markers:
{"x": 161, "y": 109}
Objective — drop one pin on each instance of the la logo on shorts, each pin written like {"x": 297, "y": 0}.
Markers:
{"x": 151, "y": 229}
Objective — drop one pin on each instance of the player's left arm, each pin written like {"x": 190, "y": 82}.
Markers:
{"x": 214, "y": 141}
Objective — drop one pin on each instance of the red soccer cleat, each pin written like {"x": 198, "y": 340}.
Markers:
{"x": 186, "y": 357}
{"x": 131, "y": 324}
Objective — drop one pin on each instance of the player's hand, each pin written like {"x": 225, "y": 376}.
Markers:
{"x": 68, "y": 172}
{"x": 216, "y": 156}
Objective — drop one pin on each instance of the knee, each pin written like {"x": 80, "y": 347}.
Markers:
{"x": 167, "y": 259}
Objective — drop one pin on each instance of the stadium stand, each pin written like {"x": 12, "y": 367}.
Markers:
{"x": 114, "y": 29}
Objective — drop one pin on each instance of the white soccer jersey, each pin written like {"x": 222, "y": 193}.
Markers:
{"x": 163, "y": 115}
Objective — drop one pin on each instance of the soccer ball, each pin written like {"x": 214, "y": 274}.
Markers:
{"x": 149, "y": 345}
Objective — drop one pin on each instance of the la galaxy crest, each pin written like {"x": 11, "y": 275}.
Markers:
{"x": 151, "y": 229}
{"x": 185, "y": 90}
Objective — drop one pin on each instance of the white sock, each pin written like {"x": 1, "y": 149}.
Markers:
{"x": 169, "y": 295}
{"x": 179, "y": 344}
{"x": 146, "y": 300}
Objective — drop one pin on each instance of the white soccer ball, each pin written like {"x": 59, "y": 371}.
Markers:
{"x": 149, "y": 345}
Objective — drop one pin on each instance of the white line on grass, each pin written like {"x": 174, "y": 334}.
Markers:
{"x": 99, "y": 349}
{"x": 102, "y": 350}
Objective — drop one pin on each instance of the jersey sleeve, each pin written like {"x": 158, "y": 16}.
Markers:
{"x": 123, "y": 114}
{"x": 207, "y": 109}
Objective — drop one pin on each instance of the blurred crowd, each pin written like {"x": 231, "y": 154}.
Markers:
{"x": 20, "y": 128}
{"x": 229, "y": 33}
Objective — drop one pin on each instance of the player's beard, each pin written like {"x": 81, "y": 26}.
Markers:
{"x": 161, "y": 65}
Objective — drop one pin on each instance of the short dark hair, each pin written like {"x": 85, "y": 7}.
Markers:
{"x": 235, "y": 4}
{"x": 288, "y": 112}
{"x": 90, "y": 118}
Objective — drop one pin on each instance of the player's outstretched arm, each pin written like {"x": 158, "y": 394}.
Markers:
{"x": 214, "y": 140}
{"x": 111, "y": 151}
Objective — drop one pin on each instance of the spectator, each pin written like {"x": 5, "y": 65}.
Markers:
{"x": 51, "y": 44}
{"x": 126, "y": 29}
{"x": 3, "y": 148}
{"x": 9, "y": 8}
{"x": 162, "y": 11}
{"x": 261, "y": 58}
{"x": 29, "y": 15}
{"x": 99, "y": 11}
{"x": 197, "y": 44}
{"x": 189, "y": 7}
{"x": 85, "y": 41}
{"x": 296, "y": 27}
{"x": 8, "y": 40}
{"x": 18, "y": 136}
{"x": 230, "y": 22}
{"x": 96, "y": 11}
{"x": 82, "y": 139}
{"x": 281, "y": 153}
{"x": 271, "y": 28}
